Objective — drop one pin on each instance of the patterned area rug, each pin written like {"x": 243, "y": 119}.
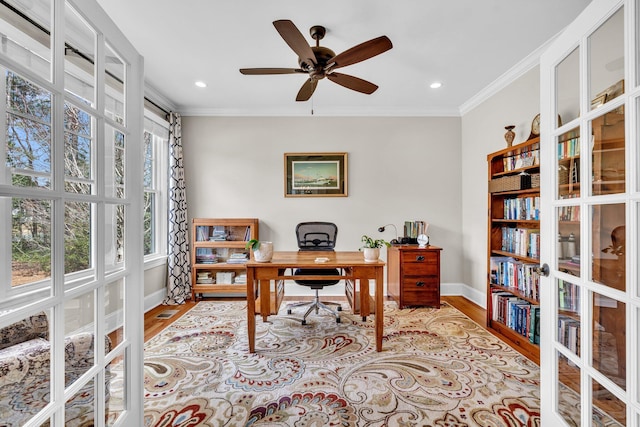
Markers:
{"x": 438, "y": 368}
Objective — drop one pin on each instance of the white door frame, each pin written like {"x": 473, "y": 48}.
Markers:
{"x": 576, "y": 36}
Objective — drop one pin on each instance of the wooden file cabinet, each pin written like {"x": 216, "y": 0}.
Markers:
{"x": 413, "y": 275}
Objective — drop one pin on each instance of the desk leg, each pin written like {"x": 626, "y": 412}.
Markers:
{"x": 265, "y": 298}
{"x": 251, "y": 310}
{"x": 379, "y": 307}
{"x": 365, "y": 310}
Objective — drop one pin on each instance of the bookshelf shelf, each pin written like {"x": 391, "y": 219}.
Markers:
{"x": 516, "y": 256}
{"x": 214, "y": 242}
{"x": 513, "y": 308}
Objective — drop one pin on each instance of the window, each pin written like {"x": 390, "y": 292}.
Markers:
{"x": 156, "y": 136}
{"x": 70, "y": 200}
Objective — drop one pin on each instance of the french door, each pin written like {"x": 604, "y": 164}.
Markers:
{"x": 71, "y": 256}
{"x": 590, "y": 106}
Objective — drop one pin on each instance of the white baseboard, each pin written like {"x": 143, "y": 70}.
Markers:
{"x": 472, "y": 294}
{"x": 155, "y": 299}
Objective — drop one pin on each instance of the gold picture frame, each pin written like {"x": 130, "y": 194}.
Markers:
{"x": 608, "y": 94}
{"x": 315, "y": 174}
{"x": 599, "y": 100}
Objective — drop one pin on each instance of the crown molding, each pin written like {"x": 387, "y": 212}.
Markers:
{"x": 527, "y": 64}
{"x": 321, "y": 112}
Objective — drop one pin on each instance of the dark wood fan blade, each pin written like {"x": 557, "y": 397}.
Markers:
{"x": 260, "y": 71}
{"x": 359, "y": 53}
{"x": 353, "y": 83}
{"x": 295, "y": 40}
{"x": 307, "y": 90}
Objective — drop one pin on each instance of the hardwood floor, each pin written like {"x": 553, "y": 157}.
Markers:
{"x": 154, "y": 324}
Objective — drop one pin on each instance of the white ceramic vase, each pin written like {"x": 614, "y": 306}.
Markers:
{"x": 264, "y": 253}
{"x": 371, "y": 254}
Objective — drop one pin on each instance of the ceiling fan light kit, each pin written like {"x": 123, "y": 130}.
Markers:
{"x": 320, "y": 62}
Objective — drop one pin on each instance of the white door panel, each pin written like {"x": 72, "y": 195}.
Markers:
{"x": 590, "y": 198}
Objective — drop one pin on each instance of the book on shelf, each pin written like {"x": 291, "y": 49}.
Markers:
{"x": 521, "y": 160}
{"x": 206, "y": 256}
{"x": 569, "y": 213}
{"x": 517, "y": 314}
{"x": 510, "y": 273}
{"x": 568, "y": 296}
{"x": 522, "y": 208}
{"x": 521, "y": 241}
{"x": 202, "y": 233}
{"x": 237, "y": 258}
{"x": 534, "y": 331}
{"x": 569, "y": 333}
{"x": 569, "y": 148}
{"x": 219, "y": 234}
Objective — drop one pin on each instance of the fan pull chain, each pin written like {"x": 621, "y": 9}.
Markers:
{"x": 312, "y": 105}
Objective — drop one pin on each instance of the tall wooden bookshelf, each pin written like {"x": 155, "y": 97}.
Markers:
{"x": 218, "y": 255}
{"x": 513, "y": 302}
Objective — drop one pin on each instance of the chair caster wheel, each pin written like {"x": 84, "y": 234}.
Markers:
{"x": 304, "y": 322}
{"x": 339, "y": 308}
{"x": 338, "y": 320}
{"x": 288, "y": 311}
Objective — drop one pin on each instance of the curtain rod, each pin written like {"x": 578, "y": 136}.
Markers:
{"x": 68, "y": 47}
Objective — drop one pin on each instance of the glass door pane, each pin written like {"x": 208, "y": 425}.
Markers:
{"x": 606, "y": 60}
{"x": 569, "y": 164}
{"x": 608, "y": 245}
{"x": 608, "y": 153}
{"x": 568, "y": 84}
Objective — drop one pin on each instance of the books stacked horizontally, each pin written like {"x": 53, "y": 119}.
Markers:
{"x": 204, "y": 278}
{"x": 237, "y": 258}
{"x": 206, "y": 256}
{"x": 219, "y": 234}
{"x": 240, "y": 279}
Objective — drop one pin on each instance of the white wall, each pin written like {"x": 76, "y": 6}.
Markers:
{"x": 483, "y": 133}
{"x": 399, "y": 169}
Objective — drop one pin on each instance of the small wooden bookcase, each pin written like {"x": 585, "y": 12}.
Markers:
{"x": 217, "y": 249}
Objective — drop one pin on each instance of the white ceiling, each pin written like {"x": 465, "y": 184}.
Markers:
{"x": 465, "y": 44}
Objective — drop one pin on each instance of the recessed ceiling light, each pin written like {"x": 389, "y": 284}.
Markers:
{"x": 435, "y": 85}
{"x": 201, "y": 84}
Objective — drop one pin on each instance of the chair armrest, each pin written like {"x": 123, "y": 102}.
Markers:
{"x": 26, "y": 359}
{"x": 36, "y": 326}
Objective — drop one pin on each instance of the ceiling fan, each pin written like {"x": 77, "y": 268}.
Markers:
{"x": 320, "y": 62}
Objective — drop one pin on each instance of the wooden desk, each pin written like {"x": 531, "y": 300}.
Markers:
{"x": 260, "y": 275}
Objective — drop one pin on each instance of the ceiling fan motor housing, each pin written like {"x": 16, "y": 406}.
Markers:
{"x": 323, "y": 55}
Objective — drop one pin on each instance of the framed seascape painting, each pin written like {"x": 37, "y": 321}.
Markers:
{"x": 315, "y": 174}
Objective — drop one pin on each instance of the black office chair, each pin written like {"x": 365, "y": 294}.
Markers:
{"x": 316, "y": 236}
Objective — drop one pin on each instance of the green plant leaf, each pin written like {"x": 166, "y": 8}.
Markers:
{"x": 253, "y": 244}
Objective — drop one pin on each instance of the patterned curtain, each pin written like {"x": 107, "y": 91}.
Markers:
{"x": 179, "y": 274}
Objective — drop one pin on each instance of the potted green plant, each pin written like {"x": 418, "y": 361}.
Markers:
{"x": 262, "y": 251}
{"x": 371, "y": 248}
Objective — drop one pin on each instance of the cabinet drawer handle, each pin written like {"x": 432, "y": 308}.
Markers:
{"x": 419, "y": 284}
{"x": 420, "y": 258}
